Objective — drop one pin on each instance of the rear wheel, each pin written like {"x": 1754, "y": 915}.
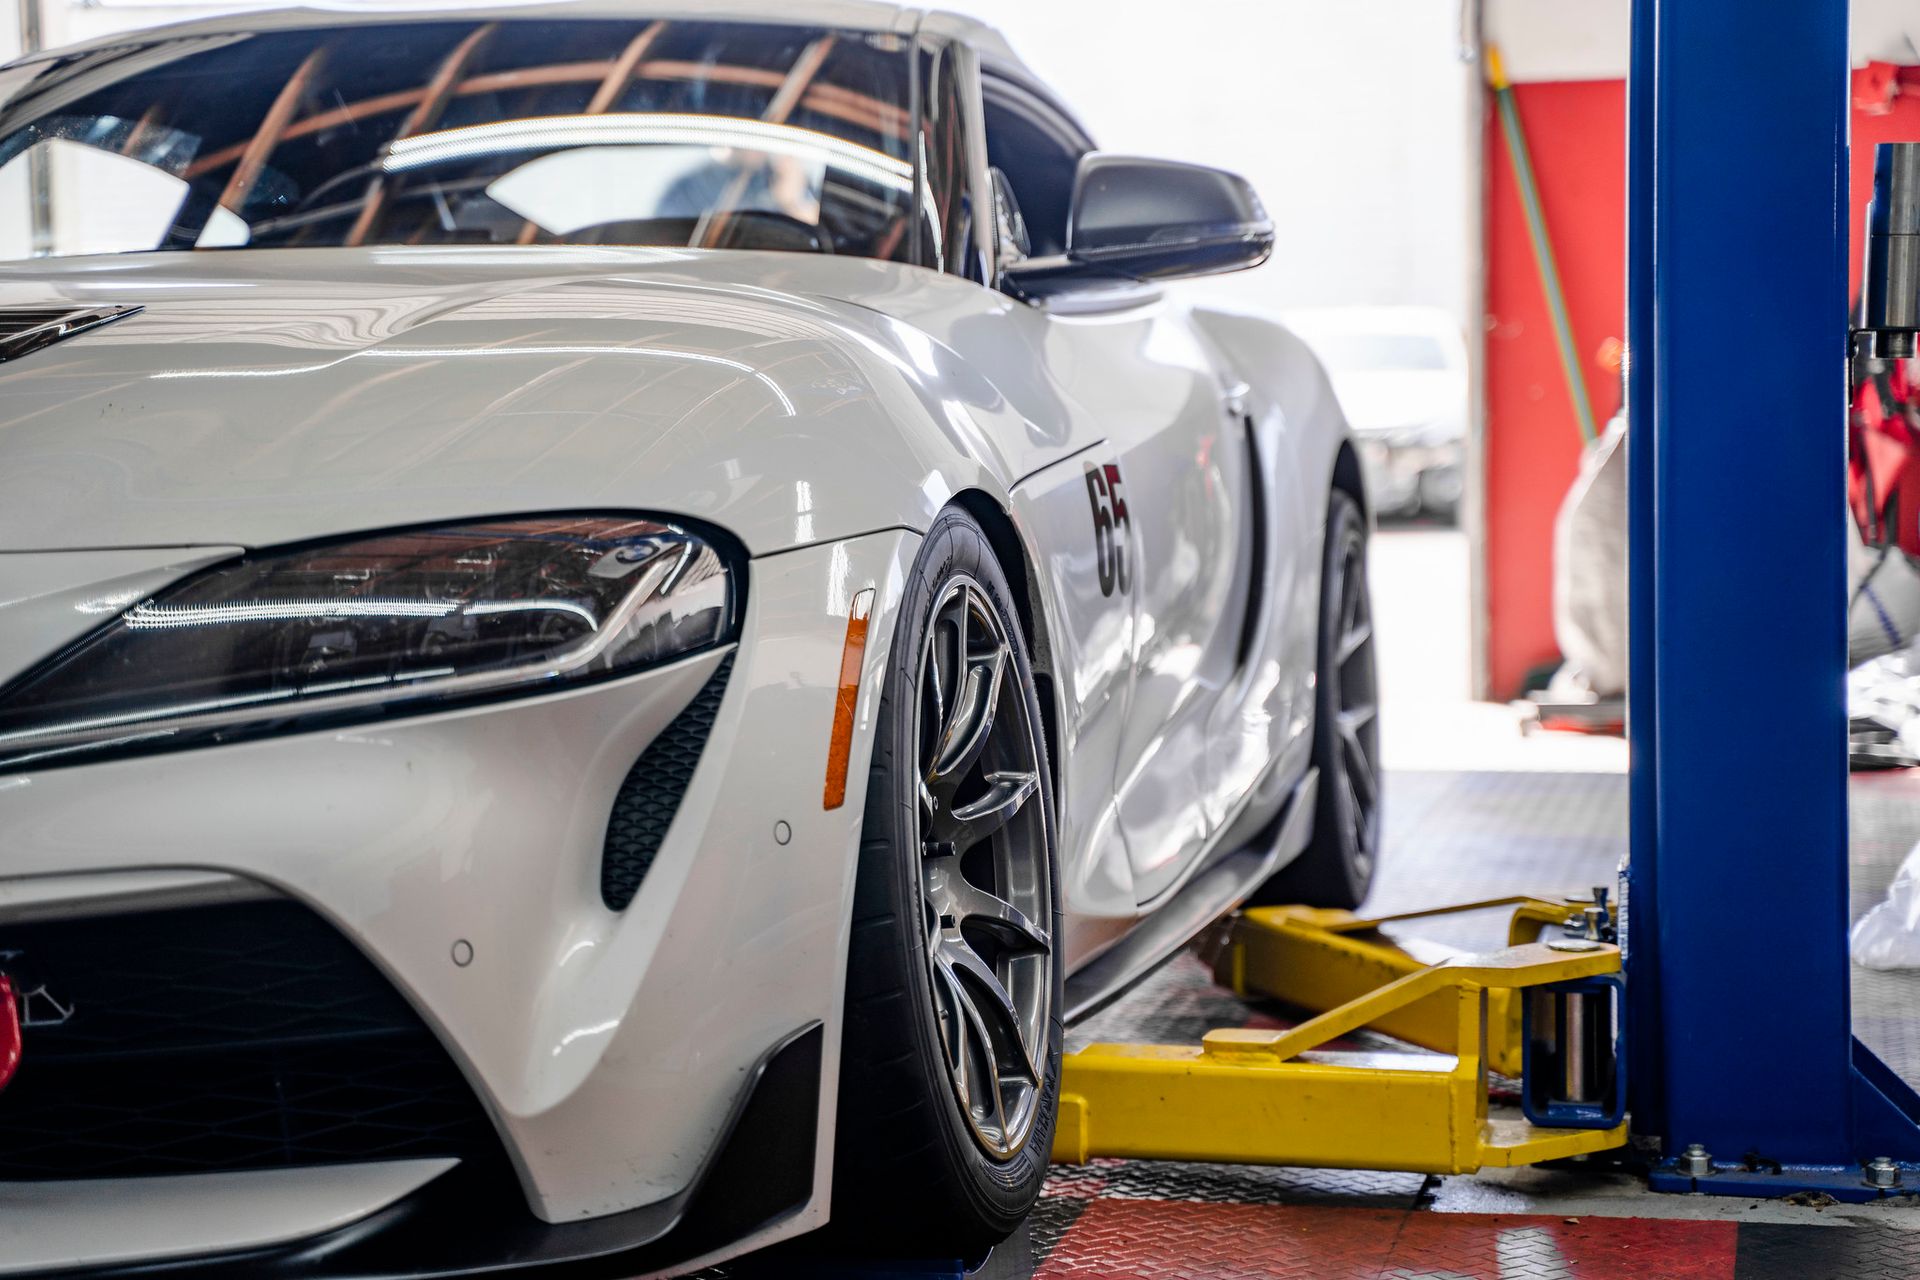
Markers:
{"x": 950, "y": 1061}
{"x": 1337, "y": 868}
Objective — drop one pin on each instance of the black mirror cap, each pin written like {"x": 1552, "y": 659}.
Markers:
{"x": 1138, "y": 220}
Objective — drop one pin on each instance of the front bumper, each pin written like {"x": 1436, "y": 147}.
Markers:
{"x": 462, "y": 853}
{"x": 419, "y": 1219}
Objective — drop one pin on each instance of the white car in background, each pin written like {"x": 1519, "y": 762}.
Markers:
{"x": 1401, "y": 375}
{"x": 608, "y": 618}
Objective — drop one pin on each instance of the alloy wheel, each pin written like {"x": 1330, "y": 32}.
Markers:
{"x": 1356, "y": 707}
{"x": 985, "y": 870}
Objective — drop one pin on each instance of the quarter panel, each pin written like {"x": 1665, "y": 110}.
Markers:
{"x": 1262, "y": 735}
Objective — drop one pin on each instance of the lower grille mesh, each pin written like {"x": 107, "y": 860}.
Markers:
{"x": 242, "y": 1036}
{"x": 650, "y": 796}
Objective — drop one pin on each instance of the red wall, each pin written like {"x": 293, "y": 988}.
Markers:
{"x": 1577, "y": 136}
{"x": 1876, "y": 120}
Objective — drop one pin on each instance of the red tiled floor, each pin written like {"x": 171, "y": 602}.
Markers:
{"x": 1165, "y": 1240}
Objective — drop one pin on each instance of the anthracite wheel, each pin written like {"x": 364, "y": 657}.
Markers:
{"x": 1337, "y": 868}
{"x": 951, "y": 1055}
{"x": 984, "y": 870}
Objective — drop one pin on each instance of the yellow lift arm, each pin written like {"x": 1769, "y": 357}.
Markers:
{"x": 1313, "y": 958}
{"x": 1279, "y": 1097}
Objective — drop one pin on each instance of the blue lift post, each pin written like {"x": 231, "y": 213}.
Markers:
{"x": 1740, "y": 1025}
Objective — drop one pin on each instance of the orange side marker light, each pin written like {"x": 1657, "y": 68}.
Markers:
{"x": 852, "y": 655}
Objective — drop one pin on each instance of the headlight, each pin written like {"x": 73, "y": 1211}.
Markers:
{"x": 397, "y": 623}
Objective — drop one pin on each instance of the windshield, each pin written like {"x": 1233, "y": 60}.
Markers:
{"x": 715, "y": 135}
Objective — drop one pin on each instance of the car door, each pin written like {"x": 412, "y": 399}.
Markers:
{"x": 1172, "y": 480}
{"x": 1162, "y": 493}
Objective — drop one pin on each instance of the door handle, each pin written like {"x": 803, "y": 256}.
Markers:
{"x": 1234, "y": 400}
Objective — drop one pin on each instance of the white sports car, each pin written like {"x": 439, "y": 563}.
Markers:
{"x": 607, "y": 618}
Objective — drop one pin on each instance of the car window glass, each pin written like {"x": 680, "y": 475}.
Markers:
{"x": 706, "y": 134}
{"x": 1009, "y": 228}
{"x": 1037, "y": 150}
{"x": 948, "y": 222}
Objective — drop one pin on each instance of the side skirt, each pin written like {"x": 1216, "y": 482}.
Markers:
{"x": 1215, "y": 890}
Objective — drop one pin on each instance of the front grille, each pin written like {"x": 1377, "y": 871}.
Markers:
{"x": 650, "y": 796}
{"x": 242, "y": 1036}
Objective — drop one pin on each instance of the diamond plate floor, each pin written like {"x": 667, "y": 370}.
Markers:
{"x": 1455, "y": 837}
{"x": 1171, "y": 1240}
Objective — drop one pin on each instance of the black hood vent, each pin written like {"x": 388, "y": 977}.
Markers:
{"x": 24, "y": 330}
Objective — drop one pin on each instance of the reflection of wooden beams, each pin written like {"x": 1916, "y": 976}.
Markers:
{"x": 799, "y": 77}
{"x": 425, "y": 115}
{"x": 607, "y": 94}
{"x": 617, "y": 79}
{"x": 887, "y": 119}
{"x": 267, "y": 136}
{"x": 440, "y": 89}
{"x": 713, "y": 223}
{"x": 138, "y": 134}
{"x": 890, "y": 243}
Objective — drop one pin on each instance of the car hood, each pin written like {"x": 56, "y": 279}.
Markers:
{"x": 271, "y": 396}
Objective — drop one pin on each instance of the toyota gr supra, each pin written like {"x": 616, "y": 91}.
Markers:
{"x": 609, "y": 618}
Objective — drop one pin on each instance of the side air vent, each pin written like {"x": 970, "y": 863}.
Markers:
{"x": 651, "y": 794}
{"x": 25, "y": 330}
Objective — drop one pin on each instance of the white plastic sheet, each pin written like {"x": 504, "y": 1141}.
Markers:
{"x": 1590, "y": 570}
{"x": 1883, "y": 599}
{"x": 1590, "y": 582}
{"x": 1888, "y": 937}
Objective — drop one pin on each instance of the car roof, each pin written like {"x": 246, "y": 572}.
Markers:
{"x": 846, "y": 15}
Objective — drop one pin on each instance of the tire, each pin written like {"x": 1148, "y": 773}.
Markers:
{"x": 940, "y": 917}
{"x": 1337, "y": 868}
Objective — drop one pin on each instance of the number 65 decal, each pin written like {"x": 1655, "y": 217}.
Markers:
{"x": 1111, "y": 527}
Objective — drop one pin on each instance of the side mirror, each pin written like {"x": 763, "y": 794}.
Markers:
{"x": 1135, "y": 220}
{"x": 1890, "y": 293}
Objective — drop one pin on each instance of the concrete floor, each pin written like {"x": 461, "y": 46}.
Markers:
{"x": 1428, "y": 718}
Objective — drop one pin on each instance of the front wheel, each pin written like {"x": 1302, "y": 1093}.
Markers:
{"x": 950, "y": 1059}
{"x": 1337, "y": 868}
